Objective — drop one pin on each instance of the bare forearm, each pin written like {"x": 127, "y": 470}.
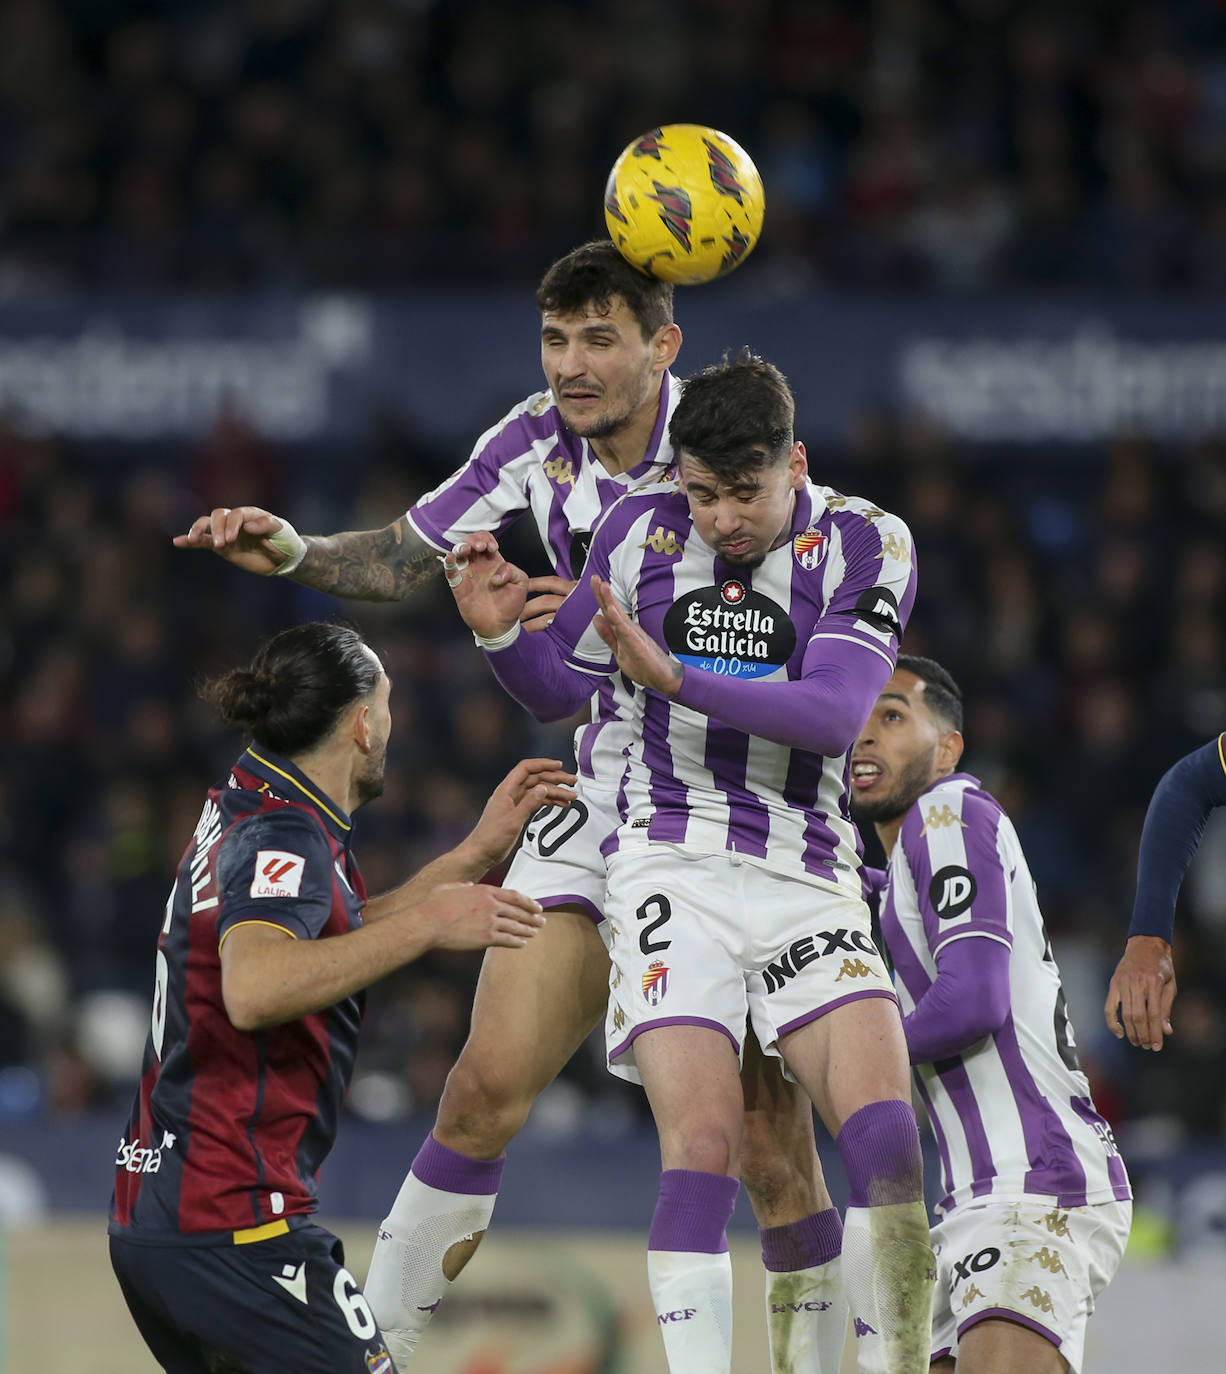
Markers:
{"x": 368, "y": 565}
{"x": 280, "y": 980}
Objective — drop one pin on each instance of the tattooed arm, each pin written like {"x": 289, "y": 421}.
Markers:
{"x": 368, "y": 565}
{"x": 365, "y": 565}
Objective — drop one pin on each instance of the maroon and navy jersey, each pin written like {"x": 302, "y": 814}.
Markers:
{"x": 229, "y": 1127}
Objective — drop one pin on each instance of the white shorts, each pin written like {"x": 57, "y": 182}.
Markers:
{"x": 559, "y": 860}
{"x": 711, "y": 940}
{"x": 1030, "y": 1262}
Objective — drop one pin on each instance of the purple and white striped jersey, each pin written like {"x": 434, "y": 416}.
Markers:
{"x": 1011, "y": 1112}
{"x": 531, "y": 462}
{"x": 826, "y": 607}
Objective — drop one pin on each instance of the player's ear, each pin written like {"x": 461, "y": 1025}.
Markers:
{"x": 949, "y": 750}
{"x": 665, "y": 346}
{"x": 361, "y": 725}
{"x": 798, "y": 465}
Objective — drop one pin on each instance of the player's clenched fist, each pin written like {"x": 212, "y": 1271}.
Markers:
{"x": 253, "y": 539}
{"x": 475, "y": 915}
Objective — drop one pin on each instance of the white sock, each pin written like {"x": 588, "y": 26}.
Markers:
{"x": 806, "y": 1319}
{"x": 406, "y": 1282}
{"x": 888, "y": 1272}
{"x": 692, "y": 1292}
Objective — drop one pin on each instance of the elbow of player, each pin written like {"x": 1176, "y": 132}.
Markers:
{"x": 247, "y": 1005}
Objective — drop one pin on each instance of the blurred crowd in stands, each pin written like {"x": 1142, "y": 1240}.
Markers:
{"x": 906, "y": 143}
{"x": 1078, "y": 598}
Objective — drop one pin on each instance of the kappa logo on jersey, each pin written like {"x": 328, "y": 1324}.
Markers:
{"x": 277, "y": 873}
{"x": 938, "y": 818}
{"x": 661, "y": 540}
{"x": 560, "y": 470}
{"x": 731, "y": 630}
{"x": 810, "y": 549}
{"x": 655, "y": 983}
{"x": 896, "y": 547}
{"x": 952, "y": 890}
{"x": 879, "y": 606}
{"x": 804, "y": 951}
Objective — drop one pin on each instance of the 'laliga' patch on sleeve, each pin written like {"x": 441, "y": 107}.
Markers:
{"x": 278, "y": 873}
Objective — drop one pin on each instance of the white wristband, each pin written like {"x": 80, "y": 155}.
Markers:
{"x": 291, "y": 544}
{"x": 501, "y": 641}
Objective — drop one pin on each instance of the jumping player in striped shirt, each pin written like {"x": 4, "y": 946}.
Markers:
{"x": 1037, "y": 1207}
{"x": 561, "y": 456}
{"x": 760, "y": 615}
{"x": 267, "y": 944}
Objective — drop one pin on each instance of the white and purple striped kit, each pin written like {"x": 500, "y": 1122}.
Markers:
{"x": 1012, "y": 1113}
{"x": 529, "y": 462}
{"x": 704, "y": 786}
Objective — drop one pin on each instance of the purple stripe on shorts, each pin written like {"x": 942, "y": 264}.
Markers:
{"x": 571, "y": 899}
{"x": 451, "y": 1172}
{"x": 957, "y": 1083}
{"x": 832, "y": 1006}
{"x": 941, "y": 1354}
{"x": 672, "y": 1021}
{"x": 1010, "y": 1315}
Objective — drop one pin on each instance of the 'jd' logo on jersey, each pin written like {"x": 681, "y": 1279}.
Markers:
{"x": 731, "y": 630}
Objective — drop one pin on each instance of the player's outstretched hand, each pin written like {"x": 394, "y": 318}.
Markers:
{"x": 242, "y": 535}
{"x": 1143, "y": 988}
{"x": 489, "y": 592}
{"x": 637, "y": 654}
{"x": 548, "y": 593}
{"x": 529, "y": 785}
{"x": 475, "y": 916}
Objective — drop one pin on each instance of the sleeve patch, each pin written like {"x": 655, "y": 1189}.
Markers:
{"x": 879, "y": 606}
{"x": 951, "y": 891}
{"x": 278, "y": 873}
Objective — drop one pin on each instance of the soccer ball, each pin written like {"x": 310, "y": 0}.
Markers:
{"x": 684, "y": 203}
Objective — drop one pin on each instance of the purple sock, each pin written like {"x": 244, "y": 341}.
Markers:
{"x": 451, "y": 1172}
{"x": 693, "y": 1211}
{"x": 881, "y": 1153}
{"x": 802, "y": 1244}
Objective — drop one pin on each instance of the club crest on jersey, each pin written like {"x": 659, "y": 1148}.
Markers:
{"x": 379, "y": 1362}
{"x": 731, "y": 630}
{"x": 655, "y": 983}
{"x": 810, "y": 549}
{"x": 277, "y": 873}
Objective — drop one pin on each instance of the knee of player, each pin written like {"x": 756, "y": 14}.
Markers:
{"x": 704, "y": 1148}
{"x": 481, "y": 1106}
